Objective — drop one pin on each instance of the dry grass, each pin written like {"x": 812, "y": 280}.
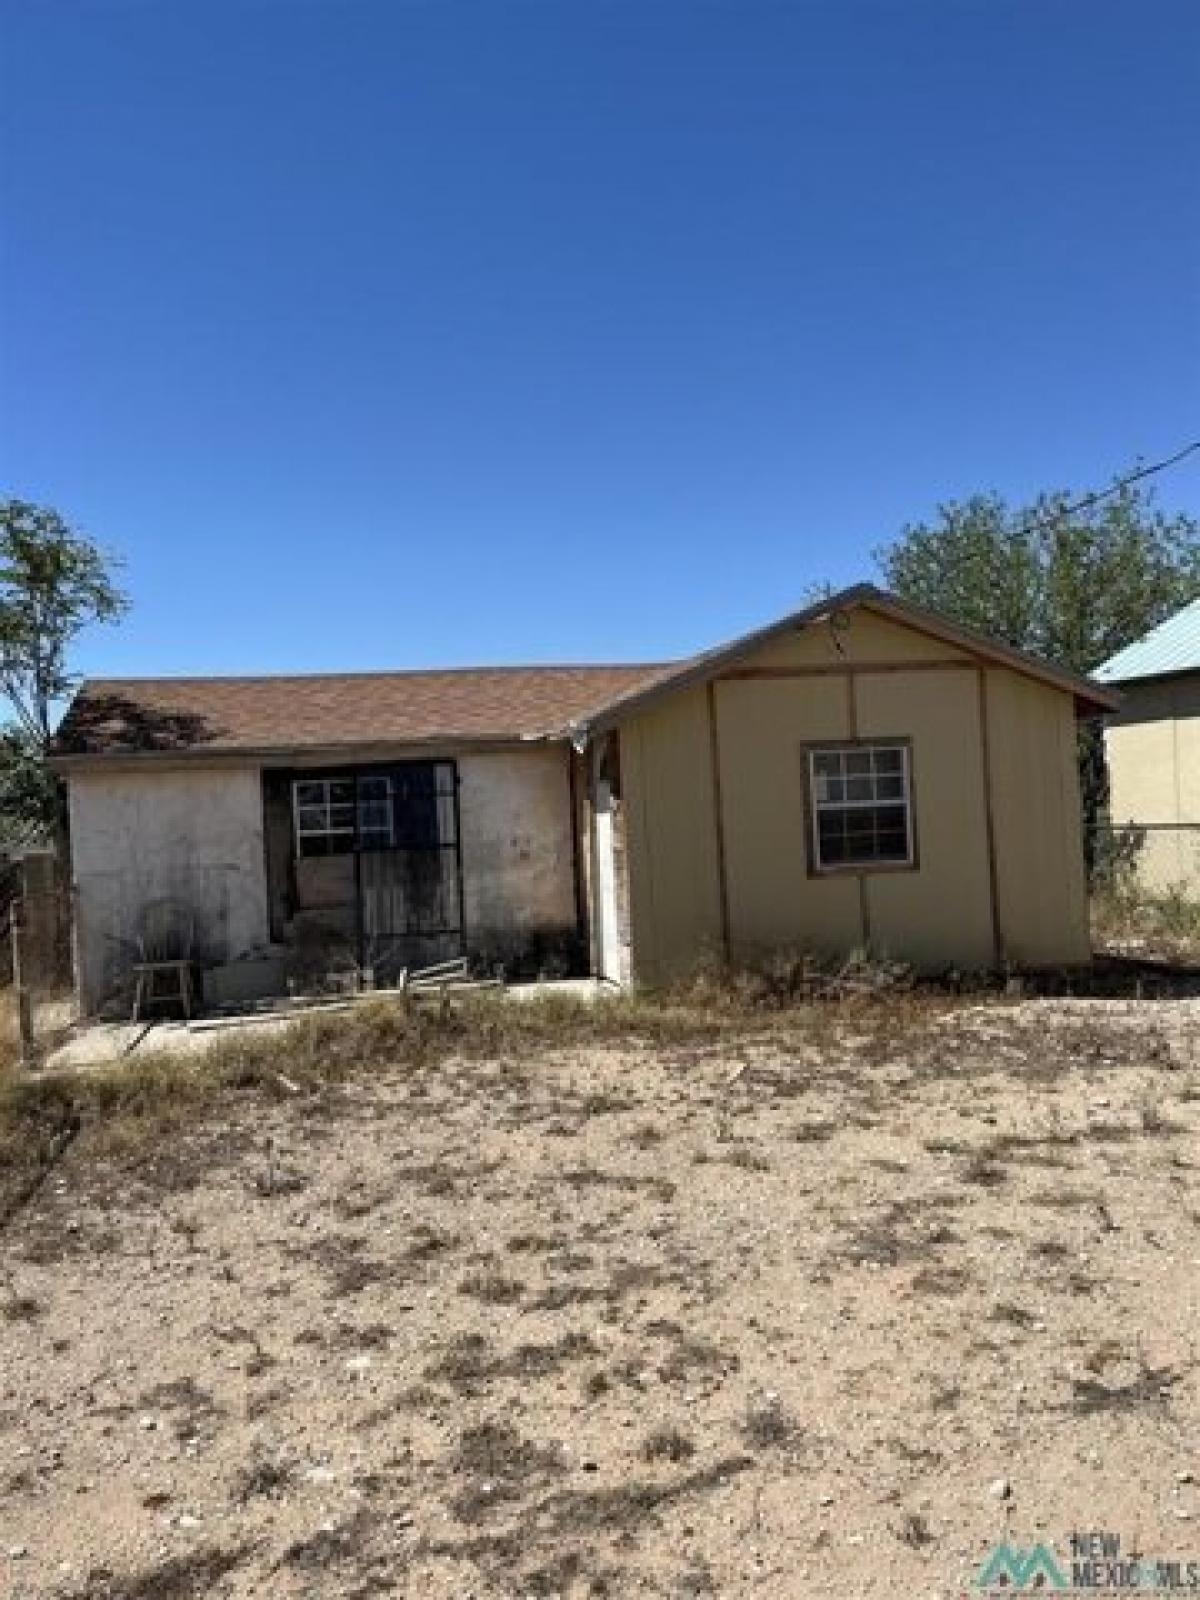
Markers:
{"x": 668, "y": 1443}
{"x": 1165, "y": 926}
{"x": 461, "y": 1312}
{"x": 143, "y": 1102}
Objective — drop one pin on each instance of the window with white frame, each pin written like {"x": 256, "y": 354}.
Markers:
{"x": 861, "y": 805}
{"x": 326, "y": 810}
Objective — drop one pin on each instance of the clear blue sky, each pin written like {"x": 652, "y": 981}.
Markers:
{"x": 384, "y": 334}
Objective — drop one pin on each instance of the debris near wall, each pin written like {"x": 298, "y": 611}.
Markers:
{"x": 860, "y": 976}
{"x": 786, "y": 979}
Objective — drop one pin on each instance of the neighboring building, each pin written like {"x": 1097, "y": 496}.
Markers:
{"x": 861, "y": 774}
{"x": 1153, "y": 750}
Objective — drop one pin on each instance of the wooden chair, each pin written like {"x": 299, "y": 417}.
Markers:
{"x": 165, "y": 940}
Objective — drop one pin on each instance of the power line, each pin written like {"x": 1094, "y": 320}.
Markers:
{"x": 1089, "y": 500}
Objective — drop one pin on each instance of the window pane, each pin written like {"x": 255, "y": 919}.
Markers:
{"x": 891, "y": 833}
{"x": 324, "y": 844}
{"x": 827, "y": 763}
{"x": 861, "y": 834}
{"x": 832, "y": 837}
{"x": 859, "y": 789}
{"x": 858, "y": 763}
{"x": 888, "y": 758}
{"x": 409, "y": 806}
{"x": 860, "y": 847}
{"x": 889, "y": 788}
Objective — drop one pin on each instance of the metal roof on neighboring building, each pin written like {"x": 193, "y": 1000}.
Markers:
{"x": 1174, "y": 646}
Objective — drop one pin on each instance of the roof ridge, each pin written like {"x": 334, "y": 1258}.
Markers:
{"x": 382, "y": 672}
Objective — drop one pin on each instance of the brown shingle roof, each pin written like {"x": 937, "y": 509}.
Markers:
{"x": 126, "y": 716}
{"x": 132, "y": 716}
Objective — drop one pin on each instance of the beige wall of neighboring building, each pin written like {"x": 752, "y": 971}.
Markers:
{"x": 195, "y": 836}
{"x": 1153, "y": 750}
{"x": 717, "y": 809}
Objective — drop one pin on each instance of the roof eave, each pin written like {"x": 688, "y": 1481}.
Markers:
{"x": 1120, "y": 686}
{"x": 1087, "y": 692}
{"x": 67, "y": 762}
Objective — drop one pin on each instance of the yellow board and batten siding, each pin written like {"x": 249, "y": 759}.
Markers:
{"x": 671, "y": 836}
{"x": 717, "y": 812}
{"x": 1037, "y": 810}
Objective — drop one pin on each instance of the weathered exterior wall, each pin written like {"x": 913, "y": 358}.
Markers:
{"x": 1037, "y": 813}
{"x": 197, "y": 835}
{"x": 670, "y": 827}
{"x": 1153, "y": 750}
{"x": 136, "y": 836}
{"x": 715, "y": 791}
{"x": 620, "y": 826}
{"x": 518, "y": 860}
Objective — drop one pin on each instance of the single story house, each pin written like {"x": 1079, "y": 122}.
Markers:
{"x": 859, "y": 774}
{"x": 1153, "y": 749}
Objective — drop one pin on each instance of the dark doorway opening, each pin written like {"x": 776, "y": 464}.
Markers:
{"x": 365, "y": 863}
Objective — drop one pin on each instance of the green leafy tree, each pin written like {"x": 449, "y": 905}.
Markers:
{"x": 29, "y": 801}
{"x": 53, "y": 584}
{"x": 1072, "y": 582}
{"x": 1073, "y": 585}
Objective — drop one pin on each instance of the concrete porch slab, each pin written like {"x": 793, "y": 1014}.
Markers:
{"x": 104, "y": 1044}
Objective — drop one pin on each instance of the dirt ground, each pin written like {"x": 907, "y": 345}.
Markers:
{"x": 829, "y": 1308}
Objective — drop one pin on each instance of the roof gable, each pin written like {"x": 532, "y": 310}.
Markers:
{"x": 1088, "y": 696}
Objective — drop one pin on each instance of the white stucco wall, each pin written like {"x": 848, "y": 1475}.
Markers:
{"x": 197, "y": 837}
{"x": 517, "y": 855}
{"x": 136, "y": 836}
